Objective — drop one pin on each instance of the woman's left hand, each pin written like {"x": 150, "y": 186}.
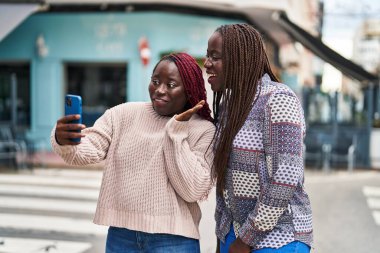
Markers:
{"x": 238, "y": 246}
{"x": 186, "y": 115}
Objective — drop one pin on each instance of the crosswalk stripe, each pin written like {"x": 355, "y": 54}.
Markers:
{"x": 77, "y": 173}
{"x": 371, "y": 191}
{"x": 45, "y": 191}
{"x": 373, "y": 203}
{"x": 372, "y": 194}
{"x": 25, "y": 197}
{"x": 17, "y": 245}
{"x": 48, "y": 223}
{"x": 48, "y": 204}
{"x": 49, "y": 180}
{"x": 376, "y": 216}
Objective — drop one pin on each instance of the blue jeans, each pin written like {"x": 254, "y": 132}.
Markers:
{"x": 293, "y": 247}
{"x": 120, "y": 240}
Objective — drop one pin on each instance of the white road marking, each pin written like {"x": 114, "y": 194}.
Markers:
{"x": 47, "y": 191}
{"x": 26, "y": 245}
{"x": 48, "y": 223}
{"x": 376, "y": 216}
{"x": 373, "y": 203}
{"x": 371, "y": 191}
{"x": 337, "y": 177}
{"x": 49, "y": 180}
{"x": 73, "y": 173}
{"x": 17, "y": 245}
{"x": 48, "y": 204}
{"x": 66, "y": 191}
{"x": 372, "y": 194}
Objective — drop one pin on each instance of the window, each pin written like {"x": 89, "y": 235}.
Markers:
{"x": 101, "y": 86}
{"x": 17, "y": 74}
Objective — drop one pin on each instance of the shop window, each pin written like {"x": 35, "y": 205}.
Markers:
{"x": 15, "y": 78}
{"x": 319, "y": 106}
{"x": 101, "y": 87}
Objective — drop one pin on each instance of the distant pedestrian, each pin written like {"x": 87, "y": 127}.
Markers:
{"x": 158, "y": 157}
{"x": 262, "y": 205}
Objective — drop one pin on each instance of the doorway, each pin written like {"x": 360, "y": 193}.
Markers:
{"x": 101, "y": 86}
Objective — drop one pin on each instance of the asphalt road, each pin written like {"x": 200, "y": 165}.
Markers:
{"x": 53, "y": 209}
{"x": 346, "y": 208}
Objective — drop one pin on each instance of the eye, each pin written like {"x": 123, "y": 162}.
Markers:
{"x": 171, "y": 85}
{"x": 155, "y": 82}
{"x": 213, "y": 57}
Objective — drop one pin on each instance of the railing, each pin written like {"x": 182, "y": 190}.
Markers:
{"x": 347, "y": 148}
{"x": 12, "y": 150}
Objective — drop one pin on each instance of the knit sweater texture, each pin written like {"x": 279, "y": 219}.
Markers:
{"x": 264, "y": 196}
{"x": 156, "y": 168}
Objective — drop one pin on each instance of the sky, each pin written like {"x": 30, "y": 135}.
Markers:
{"x": 342, "y": 18}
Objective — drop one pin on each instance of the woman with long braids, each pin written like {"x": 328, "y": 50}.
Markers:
{"x": 157, "y": 161}
{"x": 262, "y": 205}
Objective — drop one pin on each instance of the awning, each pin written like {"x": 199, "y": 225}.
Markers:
{"x": 268, "y": 16}
{"x": 11, "y": 15}
{"x": 315, "y": 45}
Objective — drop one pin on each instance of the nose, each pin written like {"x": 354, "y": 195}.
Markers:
{"x": 161, "y": 89}
{"x": 207, "y": 63}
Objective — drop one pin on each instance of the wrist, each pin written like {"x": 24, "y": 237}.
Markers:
{"x": 56, "y": 140}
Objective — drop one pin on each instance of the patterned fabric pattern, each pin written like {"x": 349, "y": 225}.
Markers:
{"x": 264, "y": 197}
{"x": 245, "y": 184}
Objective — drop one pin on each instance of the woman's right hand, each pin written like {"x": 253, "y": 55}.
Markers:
{"x": 186, "y": 115}
{"x": 64, "y": 130}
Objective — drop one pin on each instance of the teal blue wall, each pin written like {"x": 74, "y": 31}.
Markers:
{"x": 98, "y": 37}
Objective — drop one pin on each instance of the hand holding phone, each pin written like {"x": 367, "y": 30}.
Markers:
{"x": 68, "y": 130}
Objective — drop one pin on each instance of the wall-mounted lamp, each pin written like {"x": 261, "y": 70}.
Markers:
{"x": 145, "y": 52}
{"x": 42, "y": 49}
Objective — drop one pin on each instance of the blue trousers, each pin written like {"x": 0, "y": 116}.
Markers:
{"x": 120, "y": 240}
{"x": 293, "y": 247}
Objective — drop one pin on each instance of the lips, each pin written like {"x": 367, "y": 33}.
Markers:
{"x": 211, "y": 77}
{"x": 159, "y": 102}
{"x": 209, "y": 74}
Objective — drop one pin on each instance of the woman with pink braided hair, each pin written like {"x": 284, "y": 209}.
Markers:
{"x": 158, "y": 157}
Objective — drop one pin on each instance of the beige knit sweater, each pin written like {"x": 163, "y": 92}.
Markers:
{"x": 156, "y": 168}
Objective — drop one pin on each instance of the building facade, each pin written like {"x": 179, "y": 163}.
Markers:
{"x": 95, "y": 55}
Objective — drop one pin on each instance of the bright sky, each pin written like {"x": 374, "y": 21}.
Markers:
{"x": 342, "y": 18}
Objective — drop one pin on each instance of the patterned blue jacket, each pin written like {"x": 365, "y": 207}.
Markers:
{"x": 264, "y": 196}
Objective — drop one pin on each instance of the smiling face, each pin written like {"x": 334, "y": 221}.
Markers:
{"x": 213, "y": 63}
{"x": 166, "y": 89}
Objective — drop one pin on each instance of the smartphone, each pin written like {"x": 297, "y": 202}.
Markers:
{"x": 73, "y": 105}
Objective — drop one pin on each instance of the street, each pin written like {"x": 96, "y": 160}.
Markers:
{"x": 346, "y": 211}
{"x": 51, "y": 210}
